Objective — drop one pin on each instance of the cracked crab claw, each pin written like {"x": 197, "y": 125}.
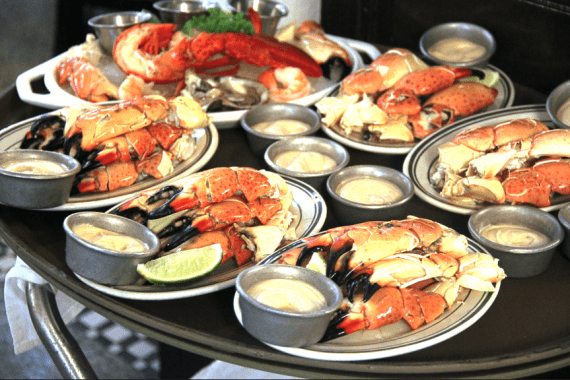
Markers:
{"x": 394, "y": 130}
{"x": 479, "y": 271}
{"x": 473, "y": 190}
{"x": 489, "y": 165}
{"x": 333, "y": 108}
{"x": 453, "y": 159}
{"x": 361, "y": 113}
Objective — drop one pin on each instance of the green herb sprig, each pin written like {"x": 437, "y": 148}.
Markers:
{"x": 218, "y": 21}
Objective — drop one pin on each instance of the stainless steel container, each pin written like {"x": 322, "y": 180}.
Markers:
{"x": 467, "y": 31}
{"x": 349, "y": 212}
{"x": 108, "y": 26}
{"x": 308, "y": 144}
{"x": 102, "y": 265}
{"x": 259, "y": 141}
{"x": 555, "y": 100}
{"x": 181, "y": 11}
{"x": 284, "y": 328}
{"x": 518, "y": 262}
{"x": 36, "y": 191}
{"x": 270, "y": 12}
{"x": 564, "y": 218}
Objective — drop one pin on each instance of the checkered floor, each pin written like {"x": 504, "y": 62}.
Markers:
{"x": 133, "y": 348}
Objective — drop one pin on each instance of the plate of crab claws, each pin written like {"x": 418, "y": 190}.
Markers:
{"x": 123, "y": 148}
{"x": 514, "y": 155}
{"x": 387, "y": 311}
{"x": 399, "y": 100}
{"x": 279, "y": 210}
{"x": 226, "y": 86}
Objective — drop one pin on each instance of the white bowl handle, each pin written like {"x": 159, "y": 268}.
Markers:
{"x": 50, "y": 100}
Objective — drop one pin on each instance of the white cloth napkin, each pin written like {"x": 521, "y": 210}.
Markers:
{"x": 222, "y": 370}
{"x": 23, "y": 331}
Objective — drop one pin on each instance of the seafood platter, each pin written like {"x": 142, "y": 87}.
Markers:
{"x": 507, "y": 156}
{"x": 123, "y": 148}
{"x": 399, "y": 100}
{"x": 227, "y": 72}
{"x": 250, "y": 213}
{"x": 408, "y": 284}
{"x": 142, "y": 122}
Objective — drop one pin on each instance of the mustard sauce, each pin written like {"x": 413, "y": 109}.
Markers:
{"x": 563, "y": 113}
{"x": 457, "y": 50}
{"x": 282, "y": 127}
{"x": 371, "y": 191}
{"x": 304, "y": 162}
{"x": 33, "y": 167}
{"x": 109, "y": 239}
{"x": 514, "y": 235}
{"x": 288, "y": 295}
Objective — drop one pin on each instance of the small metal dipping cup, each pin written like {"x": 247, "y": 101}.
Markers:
{"x": 259, "y": 141}
{"x": 180, "y": 11}
{"x": 108, "y": 26}
{"x": 36, "y": 191}
{"x": 518, "y": 262}
{"x": 321, "y": 145}
{"x": 349, "y": 212}
{"x": 467, "y": 31}
{"x": 555, "y": 100}
{"x": 270, "y": 12}
{"x": 284, "y": 328}
{"x": 106, "y": 266}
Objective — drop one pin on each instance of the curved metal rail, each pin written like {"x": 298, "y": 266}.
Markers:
{"x": 58, "y": 341}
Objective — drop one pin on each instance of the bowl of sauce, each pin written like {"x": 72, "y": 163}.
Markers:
{"x": 107, "y": 248}
{"x": 523, "y": 238}
{"x": 34, "y": 179}
{"x": 308, "y": 158}
{"x": 458, "y": 44}
{"x": 272, "y": 122}
{"x": 286, "y": 305}
{"x": 369, "y": 193}
{"x": 558, "y": 105}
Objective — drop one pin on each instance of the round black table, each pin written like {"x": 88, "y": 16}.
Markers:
{"x": 525, "y": 332}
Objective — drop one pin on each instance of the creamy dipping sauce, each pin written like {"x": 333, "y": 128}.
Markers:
{"x": 109, "y": 239}
{"x": 372, "y": 191}
{"x": 34, "y": 167}
{"x": 514, "y": 235}
{"x": 282, "y": 127}
{"x": 304, "y": 162}
{"x": 457, "y": 50}
{"x": 288, "y": 295}
{"x": 563, "y": 113}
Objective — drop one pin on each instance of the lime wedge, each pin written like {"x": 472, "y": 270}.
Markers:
{"x": 317, "y": 263}
{"x": 182, "y": 266}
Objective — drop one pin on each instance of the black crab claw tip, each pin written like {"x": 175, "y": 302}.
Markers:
{"x": 186, "y": 234}
{"x": 164, "y": 193}
{"x": 333, "y": 258}
{"x": 480, "y": 74}
{"x": 333, "y": 331}
{"x": 165, "y": 209}
{"x": 335, "y": 69}
{"x": 46, "y": 122}
{"x": 352, "y": 285}
{"x": 369, "y": 290}
{"x": 133, "y": 213}
{"x": 307, "y": 252}
{"x": 176, "y": 226}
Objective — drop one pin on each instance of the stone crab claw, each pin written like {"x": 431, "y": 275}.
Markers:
{"x": 473, "y": 190}
{"x": 382, "y": 73}
{"x": 459, "y": 99}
